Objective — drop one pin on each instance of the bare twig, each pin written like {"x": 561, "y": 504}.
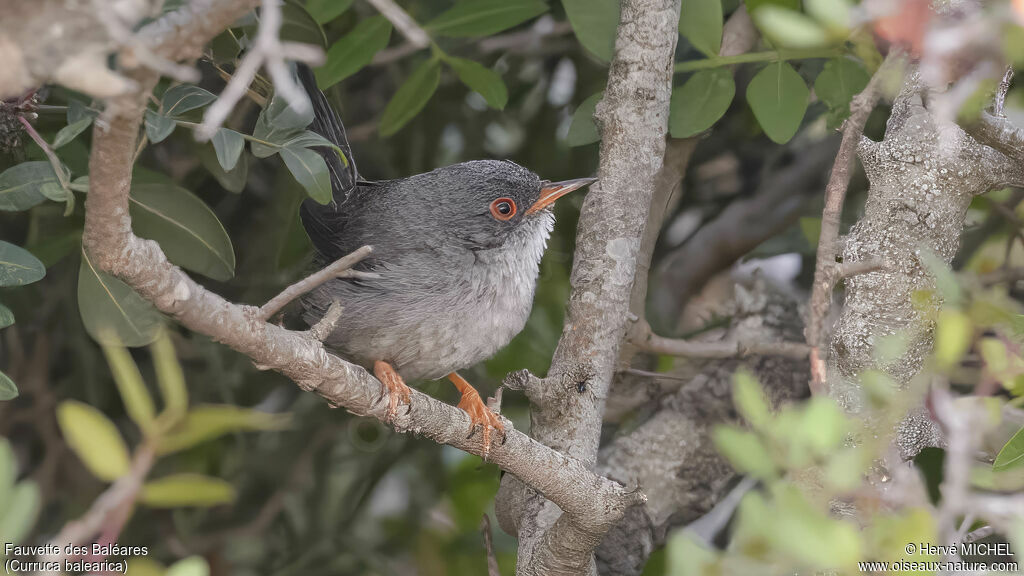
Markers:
{"x": 269, "y": 51}
{"x": 313, "y": 281}
{"x": 722, "y": 348}
{"x": 835, "y": 194}
{"x": 412, "y": 31}
{"x": 323, "y": 328}
{"x": 492, "y": 560}
{"x": 849, "y": 269}
{"x": 1004, "y": 87}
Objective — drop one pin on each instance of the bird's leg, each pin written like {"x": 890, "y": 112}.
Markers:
{"x": 479, "y": 413}
{"x": 397, "y": 390}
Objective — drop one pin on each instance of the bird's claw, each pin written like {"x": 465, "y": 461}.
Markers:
{"x": 481, "y": 417}
{"x": 396, "y": 389}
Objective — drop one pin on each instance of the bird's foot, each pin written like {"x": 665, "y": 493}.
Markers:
{"x": 397, "y": 391}
{"x": 480, "y": 416}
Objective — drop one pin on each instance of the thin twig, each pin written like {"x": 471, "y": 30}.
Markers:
{"x": 269, "y": 51}
{"x": 849, "y": 269}
{"x": 313, "y": 281}
{"x": 835, "y": 194}
{"x": 1004, "y": 87}
{"x": 412, "y": 31}
{"x": 323, "y": 328}
{"x": 728, "y": 348}
{"x": 492, "y": 560}
{"x": 58, "y": 169}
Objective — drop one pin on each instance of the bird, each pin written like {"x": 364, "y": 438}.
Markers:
{"x": 453, "y": 271}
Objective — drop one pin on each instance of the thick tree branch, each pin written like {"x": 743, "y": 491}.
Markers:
{"x": 835, "y": 194}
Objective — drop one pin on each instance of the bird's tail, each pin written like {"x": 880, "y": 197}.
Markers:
{"x": 327, "y": 123}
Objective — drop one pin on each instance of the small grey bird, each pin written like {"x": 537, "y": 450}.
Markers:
{"x": 452, "y": 275}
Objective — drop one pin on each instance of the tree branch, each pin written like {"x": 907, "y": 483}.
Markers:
{"x": 835, "y": 195}
{"x": 313, "y": 281}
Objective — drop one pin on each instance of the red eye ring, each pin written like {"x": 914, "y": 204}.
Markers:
{"x": 503, "y": 209}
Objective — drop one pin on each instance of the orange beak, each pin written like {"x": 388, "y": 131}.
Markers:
{"x": 551, "y": 191}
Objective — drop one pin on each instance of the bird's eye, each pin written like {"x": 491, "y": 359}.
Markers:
{"x": 503, "y": 208}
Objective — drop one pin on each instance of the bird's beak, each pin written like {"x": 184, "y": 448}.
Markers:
{"x": 551, "y": 191}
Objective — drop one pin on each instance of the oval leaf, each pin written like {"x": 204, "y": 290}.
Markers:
{"x": 699, "y": 103}
{"x": 111, "y": 311}
{"x": 310, "y": 170}
{"x": 204, "y": 423}
{"x": 71, "y": 131}
{"x": 790, "y": 28}
{"x": 187, "y": 490}
{"x": 137, "y": 401}
{"x": 840, "y": 80}
{"x": 778, "y": 97}
{"x": 233, "y": 181}
{"x": 482, "y": 80}
{"x": 277, "y": 124}
{"x": 298, "y": 25}
{"x": 484, "y": 17}
{"x": 185, "y": 227}
{"x": 6, "y": 316}
{"x": 594, "y": 22}
{"x": 1012, "y": 453}
{"x": 22, "y": 513}
{"x": 169, "y": 377}
{"x": 184, "y": 97}
{"x": 701, "y": 22}
{"x": 21, "y": 185}
{"x": 158, "y": 126}
{"x": 18, "y": 266}
{"x": 323, "y": 11}
{"x": 8, "y": 391}
{"x": 411, "y": 97}
{"x": 95, "y": 439}
{"x": 354, "y": 51}
{"x": 228, "y": 145}
{"x": 583, "y": 130}
{"x": 8, "y": 474}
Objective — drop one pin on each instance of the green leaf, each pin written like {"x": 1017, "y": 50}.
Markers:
{"x": 749, "y": 399}
{"x": 298, "y": 25}
{"x": 755, "y": 5}
{"x": 583, "y": 130}
{"x": 18, "y": 266}
{"x": 701, "y": 22}
{"x": 354, "y": 51}
{"x": 233, "y": 181}
{"x": 111, "y": 311}
{"x": 840, "y": 80}
{"x": 310, "y": 170}
{"x": 22, "y": 513}
{"x": 835, "y": 14}
{"x": 77, "y": 110}
{"x": 191, "y": 566}
{"x": 185, "y": 227}
{"x": 778, "y": 97}
{"x": 8, "y": 474}
{"x": 180, "y": 490}
{"x": 594, "y": 22}
{"x": 169, "y": 377}
{"x": 277, "y": 124}
{"x": 700, "y": 102}
{"x": 158, "y": 126}
{"x": 204, "y": 423}
{"x": 790, "y": 28}
{"x": 481, "y": 80}
{"x": 1012, "y": 453}
{"x": 71, "y": 131}
{"x": 953, "y": 335}
{"x": 95, "y": 439}
{"x": 6, "y": 316}
{"x": 21, "y": 185}
{"x": 8, "y": 391}
{"x": 411, "y": 97}
{"x": 687, "y": 557}
{"x": 811, "y": 229}
{"x": 323, "y": 11}
{"x": 184, "y": 97}
{"x": 137, "y": 401}
{"x": 470, "y": 18}
{"x": 229, "y": 145}
{"x": 745, "y": 451}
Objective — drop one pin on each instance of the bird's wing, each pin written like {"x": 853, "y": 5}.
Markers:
{"x": 323, "y": 223}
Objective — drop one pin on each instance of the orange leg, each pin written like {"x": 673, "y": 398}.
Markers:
{"x": 479, "y": 413}
{"x": 393, "y": 383}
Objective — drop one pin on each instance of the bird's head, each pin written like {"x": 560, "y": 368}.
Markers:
{"x": 484, "y": 204}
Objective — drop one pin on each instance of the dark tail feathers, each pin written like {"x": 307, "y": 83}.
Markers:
{"x": 327, "y": 123}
